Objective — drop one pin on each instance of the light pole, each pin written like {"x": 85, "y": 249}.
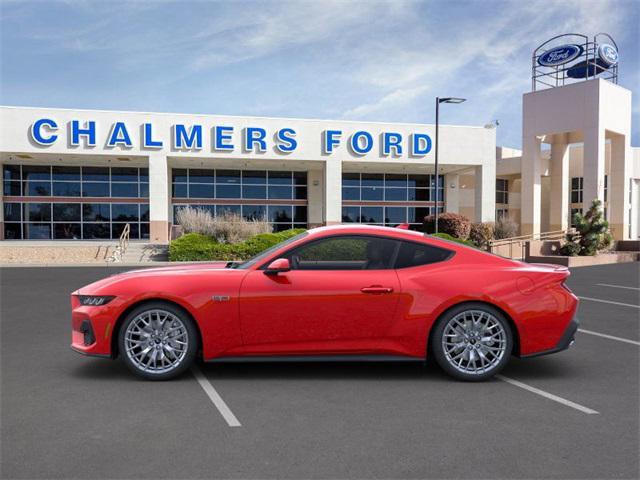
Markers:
{"x": 438, "y": 102}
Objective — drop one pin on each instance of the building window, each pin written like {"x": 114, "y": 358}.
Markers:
{"x": 280, "y": 197}
{"x": 502, "y": 190}
{"x": 606, "y": 187}
{"x": 74, "y": 221}
{"x": 576, "y": 190}
{"x": 390, "y": 198}
{"x": 502, "y": 213}
{"x": 66, "y": 211}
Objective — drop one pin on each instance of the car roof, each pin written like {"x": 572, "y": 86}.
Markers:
{"x": 367, "y": 230}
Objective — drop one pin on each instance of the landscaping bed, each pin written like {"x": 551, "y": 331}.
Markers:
{"x": 199, "y": 247}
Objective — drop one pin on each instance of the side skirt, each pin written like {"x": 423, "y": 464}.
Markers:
{"x": 314, "y": 358}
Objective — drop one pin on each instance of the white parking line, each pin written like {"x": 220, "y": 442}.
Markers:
{"x": 548, "y": 395}
{"x": 215, "y": 397}
{"x": 617, "y": 286}
{"x": 610, "y": 337}
{"x": 609, "y": 301}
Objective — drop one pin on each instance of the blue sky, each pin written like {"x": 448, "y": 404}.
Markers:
{"x": 369, "y": 60}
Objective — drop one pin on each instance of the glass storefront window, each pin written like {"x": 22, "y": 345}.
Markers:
{"x": 66, "y": 173}
{"x": 255, "y": 187}
{"x": 73, "y": 221}
{"x": 66, "y": 212}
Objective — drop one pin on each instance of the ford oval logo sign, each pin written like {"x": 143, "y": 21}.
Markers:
{"x": 560, "y": 55}
{"x": 608, "y": 54}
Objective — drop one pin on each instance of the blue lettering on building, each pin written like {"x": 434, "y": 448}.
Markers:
{"x": 119, "y": 136}
{"x": 255, "y": 136}
{"x": 420, "y": 144}
{"x": 37, "y": 134}
{"x": 330, "y": 139}
{"x": 184, "y": 138}
{"x": 45, "y": 132}
{"x": 390, "y": 141}
{"x": 89, "y": 132}
{"x": 286, "y": 141}
{"x": 147, "y": 137}
{"x": 222, "y": 137}
{"x": 361, "y": 142}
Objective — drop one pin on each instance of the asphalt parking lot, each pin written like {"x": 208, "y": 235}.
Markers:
{"x": 570, "y": 415}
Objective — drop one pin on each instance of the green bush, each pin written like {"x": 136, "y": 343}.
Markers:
{"x": 198, "y": 247}
{"x": 446, "y": 236}
{"x": 453, "y": 224}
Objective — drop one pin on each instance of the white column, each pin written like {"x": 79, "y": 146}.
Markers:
{"x": 531, "y": 188}
{"x": 315, "y": 198}
{"x": 593, "y": 167}
{"x": 485, "y": 192}
{"x": 452, "y": 195}
{"x": 159, "y": 198}
{"x": 618, "y": 188}
{"x": 559, "y": 194}
{"x": 332, "y": 204}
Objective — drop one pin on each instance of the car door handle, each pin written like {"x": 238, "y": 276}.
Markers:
{"x": 376, "y": 289}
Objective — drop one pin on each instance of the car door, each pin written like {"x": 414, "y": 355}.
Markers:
{"x": 339, "y": 297}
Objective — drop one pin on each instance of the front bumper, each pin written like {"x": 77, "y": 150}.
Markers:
{"x": 91, "y": 328}
{"x": 566, "y": 340}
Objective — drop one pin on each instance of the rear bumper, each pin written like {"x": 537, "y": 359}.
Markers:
{"x": 566, "y": 340}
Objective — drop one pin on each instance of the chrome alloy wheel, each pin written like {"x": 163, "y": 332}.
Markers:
{"x": 474, "y": 342}
{"x": 156, "y": 341}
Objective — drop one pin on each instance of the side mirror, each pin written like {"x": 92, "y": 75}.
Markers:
{"x": 279, "y": 265}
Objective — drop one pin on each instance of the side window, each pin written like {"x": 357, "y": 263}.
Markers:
{"x": 345, "y": 253}
{"x": 414, "y": 254}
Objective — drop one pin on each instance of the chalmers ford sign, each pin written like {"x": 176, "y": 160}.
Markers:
{"x": 221, "y": 138}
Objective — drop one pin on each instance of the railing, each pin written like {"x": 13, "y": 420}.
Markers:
{"x": 514, "y": 247}
{"x": 123, "y": 244}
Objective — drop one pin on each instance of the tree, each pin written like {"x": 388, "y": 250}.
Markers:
{"x": 591, "y": 235}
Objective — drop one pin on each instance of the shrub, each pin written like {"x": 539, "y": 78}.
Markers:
{"x": 591, "y": 235}
{"x": 198, "y": 247}
{"x": 482, "y": 233}
{"x": 446, "y": 236}
{"x": 225, "y": 228}
{"x": 195, "y": 220}
{"x": 191, "y": 246}
{"x": 505, "y": 227}
{"x": 453, "y": 224}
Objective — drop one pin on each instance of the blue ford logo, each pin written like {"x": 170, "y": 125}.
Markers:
{"x": 608, "y": 54}
{"x": 560, "y": 55}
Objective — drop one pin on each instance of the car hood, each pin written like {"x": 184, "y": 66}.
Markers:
{"x": 174, "y": 270}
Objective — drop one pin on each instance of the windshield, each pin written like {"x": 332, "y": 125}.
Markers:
{"x": 261, "y": 256}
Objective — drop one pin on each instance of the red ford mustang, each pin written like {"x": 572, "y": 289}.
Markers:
{"x": 347, "y": 292}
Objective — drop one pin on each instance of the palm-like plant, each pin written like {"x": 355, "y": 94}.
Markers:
{"x": 591, "y": 233}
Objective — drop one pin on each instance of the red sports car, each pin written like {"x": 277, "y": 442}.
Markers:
{"x": 346, "y": 292}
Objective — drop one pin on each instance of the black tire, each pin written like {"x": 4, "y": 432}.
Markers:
{"x": 183, "y": 360}
{"x": 444, "y": 361}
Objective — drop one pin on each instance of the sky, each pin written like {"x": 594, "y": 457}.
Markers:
{"x": 345, "y": 60}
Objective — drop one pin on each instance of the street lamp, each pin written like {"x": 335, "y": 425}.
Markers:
{"x": 438, "y": 102}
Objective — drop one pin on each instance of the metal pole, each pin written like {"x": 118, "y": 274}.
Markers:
{"x": 436, "y": 162}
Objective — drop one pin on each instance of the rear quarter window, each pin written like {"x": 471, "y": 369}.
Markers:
{"x": 415, "y": 254}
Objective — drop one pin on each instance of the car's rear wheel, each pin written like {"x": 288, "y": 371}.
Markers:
{"x": 158, "y": 341}
{"x": 472, "y": 341}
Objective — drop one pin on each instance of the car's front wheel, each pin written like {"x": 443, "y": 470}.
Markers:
{"x": 472, "y": 342}
{"x": 158, "y": 341}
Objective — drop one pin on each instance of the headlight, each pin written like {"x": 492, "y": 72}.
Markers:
{"x": 94, "y": 300}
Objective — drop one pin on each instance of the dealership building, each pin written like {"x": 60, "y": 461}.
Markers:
{"x": 85, "y": 174}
